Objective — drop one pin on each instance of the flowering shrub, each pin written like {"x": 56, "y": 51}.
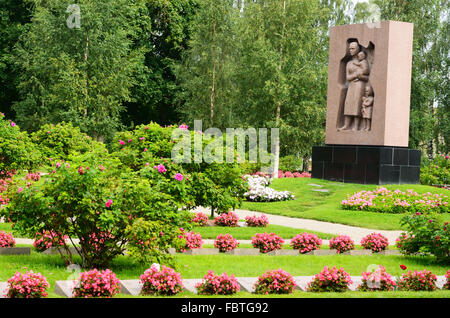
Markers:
{"x": 255, "y": 221}
{"x": 5, "y": 181}
{"x": 267, "y": 242}
{"x": 36, "y": 176}
{"x": 330, "y": 280}
{"x": 27, "y": 285}
{"x": 418, "y": 280}
{"x": 426, "y": 234}
{"x": 375, "y": 242}
{"x": 225, "y": 242}
{"x": 386, "y": 201}
{"x": 288, "y": 174}
{"x": 46, "y": 239}
{"x": 260, "y": 192}
{"x": 6, "y": 240}
{"x": 226, "y": 219}
{"x": 275, "y": 282}
{"x": 161, "y": 282}
{"x": 192, "y": 240}
{"x": 96, "y": 283}
{"x": 377, "y": 280}
{"x": 217, "y": 284}
{"x": 437, "y": 172}
{"x": 447, "y": 283}
{"x": 200, "y": 219}
{"x": 342, "y": 243}
{"x": 306, "y": 242}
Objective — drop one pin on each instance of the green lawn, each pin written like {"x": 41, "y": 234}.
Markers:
{"x": 196, "y": 266}
{"x": 246, "y": 233}
{"x": 325, "y": 206}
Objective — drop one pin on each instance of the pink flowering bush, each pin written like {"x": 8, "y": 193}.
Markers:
{"x": 161, "y": 282}
{"x": 6, "y": 240}
{"x": 200, "y": 219}
{"x": 288, "y": 174}
{"x": 378, "y": 279}
{"x": 27, "y": 285}
{"x": 267, "y": 242}
{"x": 254, "y": 221}
{"x": 447, "y": 283}
{"x": 342, "y": 243}
{"x": 96, "y": 283}
{"x": 417, "y": 280}
{"x": 192, "y": 240}
{"x": 227, "y": 219}
{"x": 46, "y": 239}
{"x": 306, "y": 242}
{"x": 6, "y": 177}
{"x": 387, "y": 201}
{"x": 375, "y": 242}
{"x": 225, "y": 242}
{"x": 275, "y": 282}
{"x": 218, "y": 284}
{"x": 437, "y": 172}
{"x": 330, "y": 280}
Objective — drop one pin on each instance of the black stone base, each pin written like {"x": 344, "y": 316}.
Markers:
{"x": 366, "y": 164}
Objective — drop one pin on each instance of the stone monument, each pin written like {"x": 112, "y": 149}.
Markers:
{"x": 367, "y": 127}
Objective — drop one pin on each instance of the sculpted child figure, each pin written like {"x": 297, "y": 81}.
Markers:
{"x": 367, "y": 107}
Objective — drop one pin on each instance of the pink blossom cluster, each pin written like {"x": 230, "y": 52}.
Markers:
{"x": 96, "y": 283}
{"x": 33, "y": 176}
{"x": 289, "y": 174}
{"x": 218, "y": 284}
{"x": 330, "y": 280}
{"x": 6, "y": 240}
{"x": 5, "y": 181}
{"x": 27, "y": 285}
{"x": 161, "y": 168}
{"x": 255, "y": 221}
{"x": 46, "y": 239}
{"x": 161, "y": 282}
{"x": 384, "y": 200}
{"x": 178, "y": 177}
{"x": 200, "y": 219}
{"x": 378, "y": 279}
{"x": 342, "y": 243}
{"x": 275, "y": 282}
{"x": 375, "y": 242}
{"x": 184, "y": 127}
{"x": 418, "y": 280}
{"x": 226, "y": 219}
{"x": 267, "y": 242}
{"x": 225, "y": 242}
{"x": 96, "y": 241}
{"x": 192, "y": 239}
{"x": 447, "y": 283}
{"x": 306, "y": 242}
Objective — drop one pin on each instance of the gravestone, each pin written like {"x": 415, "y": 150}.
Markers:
{"x": 367, "y": 126}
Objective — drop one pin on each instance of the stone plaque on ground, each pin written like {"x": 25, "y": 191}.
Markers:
{"x": 64, "y": 287}
{"x": 189, "y": 284}
{"x": 15, "y": 251}
{"x": 321, "y": 252}
{"x": 358, "y": 252}
{"x": 3, "y": 289}
{"x": 55, "y": 251}
{"x": 357, "y": 280}
{"x": 247, "y": 283}
{"x": 202, "y": 251}
{"x": 302, "y": 281}
{"x": 244, "y": 251}
{"x": 130, "y": 287}
{"x": 283, "y": 252}
{"x": 389, "y": 252}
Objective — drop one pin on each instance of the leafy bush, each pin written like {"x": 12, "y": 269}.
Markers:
{"x": 426, "y": 234}
{"x": 47, "y": 239}
{"x": 417, "y": 280}
{"x": 306, "y": 242}
{"x": 254, "y": 221}
{"x": 342, "y": 243}
{"x": 227, "y": 219}
{"x": 6, "y": 240}
{"x": 386, "y": 201}
{"x": 437, "y": 172}
{"x": 225, "y": 242}
{"x": 330, "y": 280}
{"x": 375, "y": 242}
{"x": 27, "y": 285}
{"x": 200, "y": 219}
{"x": 290, "y": 163}
{"x": 20, "y": 154}
{"x": 267, "y": 242}
{"x": 6, "y": 177}
{"x": 376, "y": 280}
{"x": 164, "y": 282}
{"x": 218, "y": 284}
{"x": 275, "y": 282}
{"x": 96, "y": 283}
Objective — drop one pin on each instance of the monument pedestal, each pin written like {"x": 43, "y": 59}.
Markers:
{"x": 366, "y": 164}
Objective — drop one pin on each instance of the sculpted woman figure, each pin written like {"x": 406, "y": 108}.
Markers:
{"x": 357, "y": 74}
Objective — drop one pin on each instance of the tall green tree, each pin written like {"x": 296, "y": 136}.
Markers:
{"x": 80, "y": 72}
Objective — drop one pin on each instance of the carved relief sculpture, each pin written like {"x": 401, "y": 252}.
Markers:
{"x": 367, "y": 107}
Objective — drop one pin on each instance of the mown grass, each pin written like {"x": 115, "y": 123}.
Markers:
{"x": 325, "y": 206}
{"x": 196, "y": 266}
